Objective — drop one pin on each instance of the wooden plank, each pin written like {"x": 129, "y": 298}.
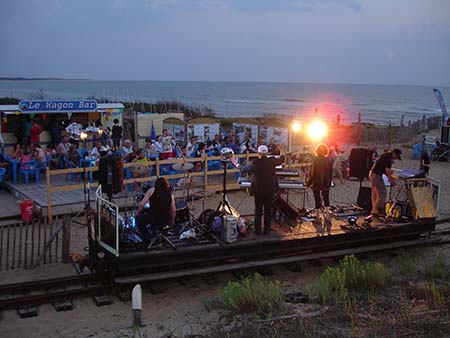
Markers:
{"x": 274, "y": 261}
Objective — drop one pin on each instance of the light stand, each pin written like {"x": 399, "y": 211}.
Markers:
{"x": 224, "y": 207}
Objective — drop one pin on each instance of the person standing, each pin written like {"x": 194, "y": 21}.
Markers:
{"x": 425, "y": 162}
{"x": 74, "y": 129}
{"x": 116, "y": 133}
{"x": 264, "y": 185}
{"x": 382, "y": 166}
{"x": 35, "y": 133}
{"x": 320, "y": 181}
{"x": 54, "y": 128}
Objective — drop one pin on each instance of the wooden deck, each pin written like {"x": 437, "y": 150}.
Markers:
{"x": 283, "y": 240}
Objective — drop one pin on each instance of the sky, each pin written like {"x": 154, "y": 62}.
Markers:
{"x": 334, "y": 41}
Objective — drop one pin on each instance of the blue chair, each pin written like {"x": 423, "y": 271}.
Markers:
{"x": 42, "y": 166}
{"x": 82, "y": 152}
{"x": 70, "y": 165}
{"x": 417, "y": 150}
{"x": 2, "y": 173}
{"x": 28, "y": 169}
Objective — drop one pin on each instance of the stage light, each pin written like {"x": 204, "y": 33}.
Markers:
{"x": 296, "y": 126}
{"x": 317, "y": 130}
{"x": 226, "y": 154}
{"x": 83, "y": 136}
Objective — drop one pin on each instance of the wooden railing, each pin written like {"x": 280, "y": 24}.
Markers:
{"x": 156, "y": 164}
{"x": 231, "y": 185}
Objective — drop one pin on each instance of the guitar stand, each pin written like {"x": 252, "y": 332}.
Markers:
{"x": 394, "y": 203}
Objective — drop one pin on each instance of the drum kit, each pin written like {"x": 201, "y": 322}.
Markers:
{"x": 185, "y": 206}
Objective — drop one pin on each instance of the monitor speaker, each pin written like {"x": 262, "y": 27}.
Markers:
{"x": 360, "y": 162}
{"x": 365, "y": 198}
{"x": 110, "y": 174}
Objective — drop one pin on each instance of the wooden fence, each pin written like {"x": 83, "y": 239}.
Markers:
{"x": 206, "y": 175}
{"x": 398, "y": 134}
{"x": 27, "y": 245}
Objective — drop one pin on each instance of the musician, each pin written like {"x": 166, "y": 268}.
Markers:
{"x": 264, "y": 185}
{"x": 320, "y": 181}
{"x": 382, "y": 166}
{"x": 162, "y": 208}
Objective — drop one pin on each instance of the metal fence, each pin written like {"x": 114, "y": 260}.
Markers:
{"x": 27, "y": 245}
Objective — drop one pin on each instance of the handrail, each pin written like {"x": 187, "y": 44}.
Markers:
{"x": 157, "y": 163}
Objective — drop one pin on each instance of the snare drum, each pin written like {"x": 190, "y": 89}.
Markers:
{"x": 182, "y": 215}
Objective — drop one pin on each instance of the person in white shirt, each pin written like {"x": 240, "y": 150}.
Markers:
{"x": 168, "y": 142}
{"x": 127, "y": 148}
{"x": 64, "y": 146}
{"x": 190, "y": 147}
{"x": 158, "y": 144}
{"x": 39, "y": 153}
{"x": 74, "y": 129}
{"x": 98, "y": 149}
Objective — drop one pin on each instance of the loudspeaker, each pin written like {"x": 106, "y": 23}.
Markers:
{"x": 110, "y": 174}
{"x": 365, "y": 198}
{"x": 360, "y": 162}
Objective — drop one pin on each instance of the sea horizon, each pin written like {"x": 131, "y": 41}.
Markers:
{"x": 377, "y": 103}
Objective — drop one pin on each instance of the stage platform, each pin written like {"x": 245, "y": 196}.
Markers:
{"x": 283, "y": 241}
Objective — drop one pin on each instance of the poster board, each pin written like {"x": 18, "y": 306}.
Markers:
{"x": 243, "y": 129}
{"x": 176, "y": 129}
{"x": 203, "y": 131}
{"x": 279, "y": 134}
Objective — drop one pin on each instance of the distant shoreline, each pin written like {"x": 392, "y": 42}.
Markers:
{"x": 39, "y": 79}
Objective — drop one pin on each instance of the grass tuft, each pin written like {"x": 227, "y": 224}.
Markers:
{"x": 253, "y": 295}
{"x": 349, "y": 280}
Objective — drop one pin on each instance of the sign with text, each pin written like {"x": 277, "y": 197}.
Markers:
{"x": 48, "y": 106}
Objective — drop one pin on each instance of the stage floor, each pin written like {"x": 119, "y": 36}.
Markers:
{"x": 282, "y": 240}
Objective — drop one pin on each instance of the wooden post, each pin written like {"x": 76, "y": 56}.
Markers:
{"x": 358, "y": 132}
{"x": 49, "y": 195}
{"x": 206, "y": 172}
{"x": 1, "y": 246}
{"x": 389, "y": 135}
{"x": 25, "y": 263}
{"x": 65, "y": 248}
{"x": 13, "y": 256}
{"x": 136, "y": 305}
{"x": 157, "y": 167}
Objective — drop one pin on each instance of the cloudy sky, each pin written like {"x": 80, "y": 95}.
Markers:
{"x": 370, "y": 41}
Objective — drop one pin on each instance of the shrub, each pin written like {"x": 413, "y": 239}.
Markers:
{"x": 253, "y": 294}
{"x": 345, "y": 281}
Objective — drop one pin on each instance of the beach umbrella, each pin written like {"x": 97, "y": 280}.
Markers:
{"x": 153, "y": 133}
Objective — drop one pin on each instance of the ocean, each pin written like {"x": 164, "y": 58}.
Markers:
{"x": 377, "y": 104}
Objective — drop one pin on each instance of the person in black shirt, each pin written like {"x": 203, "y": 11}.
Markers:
{"x": 264, "y": 185}
{"x": 382, "y": 166}
{"x": 425, "y": 162}
{"x": 320, "y": 181}
{"x": 162, "y": 208}
{"x": 116, "y": 133}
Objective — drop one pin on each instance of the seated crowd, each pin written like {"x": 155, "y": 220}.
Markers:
{"x": 69, "y": 153}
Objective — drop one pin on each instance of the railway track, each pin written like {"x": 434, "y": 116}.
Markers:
{"x": 59, "y": 291}
{"x": 62, "y": 290}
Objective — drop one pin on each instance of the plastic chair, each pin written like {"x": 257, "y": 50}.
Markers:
{"x": 2, "y": 173}
{"x": 28, "y": 169}
{"x": 42, "y": 166}
{"x": 417, "y": 150}
{"x": 70, "y": 165}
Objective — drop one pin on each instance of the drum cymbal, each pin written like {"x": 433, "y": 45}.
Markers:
{"x": 184, "y": 166}
{"x": 139, "y": 169}
{"x": 192, "y": 183}
{"x": 203, "y": 193}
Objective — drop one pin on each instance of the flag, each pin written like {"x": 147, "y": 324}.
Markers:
{"x": 153, "y": 133}
{"x": 440, "y": 99}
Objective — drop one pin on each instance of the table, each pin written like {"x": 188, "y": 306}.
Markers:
{"x": 14, "y": 168}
